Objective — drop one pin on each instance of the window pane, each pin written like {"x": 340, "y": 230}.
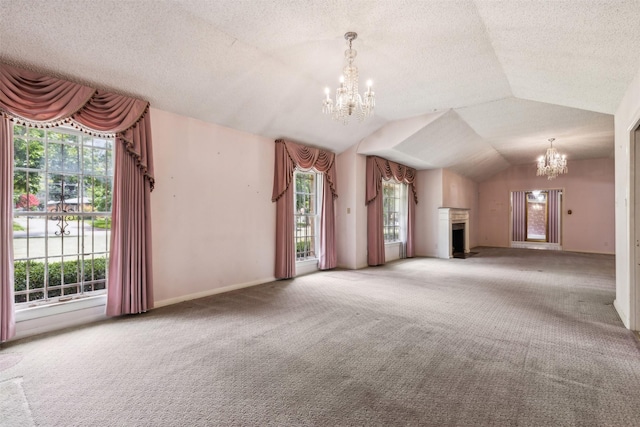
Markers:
{"x": 305, "y": 215}
{"x": 101, "y": 160}
{"x": 63, "y": 193}
{"x": 72, "y": 275}
{"x": 63, "y": 158}
{"x": 108, "y": 195}
{"x": 19, "y": 130}
{"x": 312, "y": 204}
{"x": 109, "y": 161}
{"x": 19, "y": 153}
{"x": 87, "y": 161}
{"x": 103, "y": 143}
{"x": 31, "y": 202}
{"x": 36, "y": 154}
{"x": 88, "y": 194}
{"x": 100, "y": 194}
{"x": 55, "y": 137}
{"x": 391, "y": 211}
{"x": 54, "y": 277}
{"x": 94, "y": 269}
{"x": 71, "y": 158}
{"x": 71, "y": 138}
{"x": 54, "y": 186}
{"x": 87, "y": 140}
{"x": 35, "y": 132}
{"x": 55, "y": 161}
{"x": 28, "y": 191}
{"x": 27, "y": 155}
{"x": 20, "y": 280}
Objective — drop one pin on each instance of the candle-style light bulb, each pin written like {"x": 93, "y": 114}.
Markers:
{"x": 327, "y": 92}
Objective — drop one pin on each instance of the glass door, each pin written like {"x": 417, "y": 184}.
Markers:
{"x": 537, "y": 216}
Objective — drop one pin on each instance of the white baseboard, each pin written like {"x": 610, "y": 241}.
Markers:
{"x": 589, "y": 252}
{"x": 176, "y": 300}
{"x": 537, "y": 245}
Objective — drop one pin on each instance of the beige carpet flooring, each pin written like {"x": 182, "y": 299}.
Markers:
{"x": 509, "y": 337}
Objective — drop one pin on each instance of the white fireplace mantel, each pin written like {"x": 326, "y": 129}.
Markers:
{"x": 446, "y": 218}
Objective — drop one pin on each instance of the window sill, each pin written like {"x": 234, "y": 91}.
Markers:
{"x": 30, "y": 313}
{"x": 394, "y": 251}
{"x": 37, "y": 320}
{"x": 307, "y": 266}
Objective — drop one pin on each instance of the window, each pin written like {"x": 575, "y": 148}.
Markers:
{"x": 62, "y": 191}
{"x": 392, "y": 211}
{"x": 306, "y": 214}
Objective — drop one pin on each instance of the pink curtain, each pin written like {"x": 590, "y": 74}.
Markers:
{"x": 7, "y": 320}
{"x": 377, "y": 170}
{"x": 130, "y": 269}
{"x": 43, "y": 101}
{"x": 290, "y": 156}
{"x": 518, "y": 208}
{"x": 553, "y": 209}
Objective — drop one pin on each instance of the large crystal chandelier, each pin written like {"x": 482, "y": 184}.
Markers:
{"x": 552, "y": 163}
{"x": 348, "y": 100}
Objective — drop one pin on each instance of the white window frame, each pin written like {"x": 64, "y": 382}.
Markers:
{"x": 400, "y": 195}
{"x": 83, "y": 299}
{"x": 297, "y": 216}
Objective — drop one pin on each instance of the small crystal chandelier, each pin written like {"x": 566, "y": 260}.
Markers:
{"x": 552, "y": 163}
{"x": 348, "y": 100}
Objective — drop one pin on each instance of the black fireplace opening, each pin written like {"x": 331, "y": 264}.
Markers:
{"x": 457, "y": 240}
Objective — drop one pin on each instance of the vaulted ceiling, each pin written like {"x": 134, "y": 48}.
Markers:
{"x": 471, "y": 85}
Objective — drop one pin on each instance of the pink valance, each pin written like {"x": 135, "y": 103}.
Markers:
{"x": 43, "y": 101}
{"x": 289, "y": 155}
{"x": 386, "y": 169}
{"x": 35, "y": 97}
{"x": 377, "y": 170}
{"x": 27, "y": 97}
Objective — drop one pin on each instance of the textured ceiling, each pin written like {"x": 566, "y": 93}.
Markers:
{"x": 470, "y": 85}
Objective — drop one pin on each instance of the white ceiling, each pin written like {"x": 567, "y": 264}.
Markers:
{"x": 472, "y": 85}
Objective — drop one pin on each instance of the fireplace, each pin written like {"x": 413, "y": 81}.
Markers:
{"x": 453, "y": 233}
{"x": 457, "y": 240}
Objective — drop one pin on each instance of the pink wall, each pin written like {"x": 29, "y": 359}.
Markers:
{"x": 213, "y": 233}
{"x": 588, "y": 190}
{"x": 461, "y": 192}
{"x": 212, "y": 216}
{"x": 429, "y": 188}
{"x": 442, "y": 188}
{"x": 351, "y": 211}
